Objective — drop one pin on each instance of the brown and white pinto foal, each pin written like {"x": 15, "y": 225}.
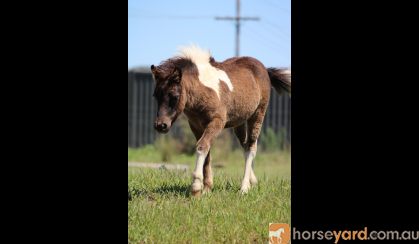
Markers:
{"x": 216, "y": 95}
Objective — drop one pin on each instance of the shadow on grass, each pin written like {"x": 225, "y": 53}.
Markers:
{"x": 178, "y": 190}
{"x": 181, "y": 190}
{"x": 165, "y": 190}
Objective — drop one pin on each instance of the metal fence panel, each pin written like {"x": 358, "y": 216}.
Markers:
{"x": 142, "y": 110}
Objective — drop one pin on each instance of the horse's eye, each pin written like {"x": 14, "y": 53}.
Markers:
{"x": 173, "y": 100}
{"x": 173, "y": 97}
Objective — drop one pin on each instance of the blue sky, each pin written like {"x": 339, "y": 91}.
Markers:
{"x": 157, "y": 27}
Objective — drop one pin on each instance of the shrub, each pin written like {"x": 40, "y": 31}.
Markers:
{"x": 167, "y": 146}
{"x": 271, "y": 141}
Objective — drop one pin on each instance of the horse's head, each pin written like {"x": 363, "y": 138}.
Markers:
{"x": 168, "y": 93}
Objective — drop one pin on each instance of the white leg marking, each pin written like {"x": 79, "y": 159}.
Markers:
{"x": 253, "y": 179}
{"x": 198, "y": 174}
{"x": 249, "y": 156}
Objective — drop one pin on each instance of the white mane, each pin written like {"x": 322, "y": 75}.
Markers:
{"x": 209, "y": 76}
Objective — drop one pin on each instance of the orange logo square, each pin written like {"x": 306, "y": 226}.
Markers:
{"x": 279, "y": 233}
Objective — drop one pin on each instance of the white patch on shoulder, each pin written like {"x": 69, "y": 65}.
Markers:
{"x": 209, "y": 76}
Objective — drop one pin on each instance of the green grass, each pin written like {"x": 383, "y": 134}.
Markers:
{"x": 150, "y": 154}
{"x": 160, "y": 209}
{"x": 275, "y": 163}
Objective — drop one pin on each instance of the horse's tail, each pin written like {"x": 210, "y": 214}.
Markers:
{"x": 280, "y": 79}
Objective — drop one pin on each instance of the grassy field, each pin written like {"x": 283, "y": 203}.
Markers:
{"x": 160, "y": 209}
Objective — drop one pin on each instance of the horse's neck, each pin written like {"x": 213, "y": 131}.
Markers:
{"x": 193, "y": 95}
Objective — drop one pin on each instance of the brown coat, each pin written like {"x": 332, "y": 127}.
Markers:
{"x": 215, "y": 95}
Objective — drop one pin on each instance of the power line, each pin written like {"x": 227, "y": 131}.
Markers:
{"x": 286, "y": 36}
{"x": 285, "y": 10}
{"x": 170, "y": 16}
{"x": 238, "y": 20}
{"x": 267, "y": 39}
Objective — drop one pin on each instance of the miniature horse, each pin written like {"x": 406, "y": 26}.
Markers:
{"x": 216, "y": 95}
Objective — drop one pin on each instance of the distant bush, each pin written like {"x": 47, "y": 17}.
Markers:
{"x": 179, "y": 140}
{"x": 222, "y": 146}
{"x": 185, "y": 136}
{"x": 167, "y": 147}
{"x": 182, "y": 140}
{"x": 271, "y": 141}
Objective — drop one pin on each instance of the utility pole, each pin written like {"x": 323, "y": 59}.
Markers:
{"x": 238, "y": 20}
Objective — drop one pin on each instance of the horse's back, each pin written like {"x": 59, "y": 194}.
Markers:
{"x": 247, "y": 70}
{"x": 251, "y": 88}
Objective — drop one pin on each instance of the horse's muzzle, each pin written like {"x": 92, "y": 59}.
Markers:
{"x": 161, "y": 127}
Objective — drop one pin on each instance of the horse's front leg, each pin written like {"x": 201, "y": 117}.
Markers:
{"x": 202, "y": 149}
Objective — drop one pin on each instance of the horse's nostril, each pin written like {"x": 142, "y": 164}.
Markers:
{"x": 160, "y": 126}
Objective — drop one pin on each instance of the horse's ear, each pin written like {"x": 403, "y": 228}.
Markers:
{"x": 154, "y": 71}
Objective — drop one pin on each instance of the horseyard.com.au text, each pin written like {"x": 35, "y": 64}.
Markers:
{"x": 363, "y": 234}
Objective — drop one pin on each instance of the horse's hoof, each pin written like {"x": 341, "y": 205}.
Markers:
{"x": 196, "y": 193}
{"x": 196, "y": 189}
{"x": 245, "y": 188}
{"x": 207, "y": 189}
{"x": 253, "y": 181}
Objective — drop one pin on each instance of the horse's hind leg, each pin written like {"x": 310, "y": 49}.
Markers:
{"x": 241, "y": 133}
{"x": 254, "y": 125}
